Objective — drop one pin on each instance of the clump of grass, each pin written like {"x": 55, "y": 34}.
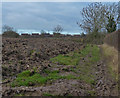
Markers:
{"x": 26, "y": 79}
{"x": 73, "y": 58}
{"x": 86, "y": 50}
{"x": 24, "y": 73}
{"x": 32, "y": 51}
{"x": 95, "y": 51}
{"x": 53, "y": 75}
{"x": 85, "y": 73}
{"x": 64, "y": 60}
{"x": 70, "y": 77}
{"x": 87, "y": 78}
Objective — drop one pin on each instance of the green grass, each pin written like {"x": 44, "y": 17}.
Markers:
{"x": 32, "y": 51}
{"x": 87, "y": 78}
{"x": 112, "y": 73}
{"x": 64, "y": 60}
{"x": 70, "y": 77}
{"x": 26, "y": 79}
{"x": 85, "y": 73}
{"x": 95, "y": 51}
{"x": 24, "y": 73}
{"x": 73, "y": 58}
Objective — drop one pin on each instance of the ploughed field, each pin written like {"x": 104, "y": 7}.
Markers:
{"x": 54, "y": 67}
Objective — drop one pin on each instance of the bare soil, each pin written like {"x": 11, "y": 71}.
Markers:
{"x": 23, "y": 54}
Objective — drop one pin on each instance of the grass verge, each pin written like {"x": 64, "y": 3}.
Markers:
{"x": 110, "y": 54}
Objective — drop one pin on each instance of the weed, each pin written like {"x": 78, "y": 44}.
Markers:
{"x": 32, "y": 51}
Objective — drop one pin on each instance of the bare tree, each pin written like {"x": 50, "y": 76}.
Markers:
{"x": 6, "y": 28}
{"x": 96, "y": 15}
{"x": 58, "y": 29}
{"x": 9, "y": 32}
{"x": 43, "y": 32}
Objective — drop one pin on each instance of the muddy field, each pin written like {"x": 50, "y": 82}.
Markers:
{"x": 23, "y": 54}
{"x": 62, "y": 67}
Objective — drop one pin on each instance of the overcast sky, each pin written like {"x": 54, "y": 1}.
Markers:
{"x": 43, "y": 15}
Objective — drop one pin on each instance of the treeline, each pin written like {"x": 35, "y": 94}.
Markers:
{"x": 99, "y": 19}
{"x": 10, "y": 32}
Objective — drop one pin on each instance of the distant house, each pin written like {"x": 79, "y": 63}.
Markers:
{"x": 58, "y": 35}
{"x": 25, "y": 35}
{"x": 46, "y": 35}
{"x": 68, "y": 35}
{"x": 35, "y": 35}
{"x": 77, "y": 36}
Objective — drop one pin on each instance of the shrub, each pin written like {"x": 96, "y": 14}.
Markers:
{"x": 94, "y": 38}
{"x": 12, "y": 34}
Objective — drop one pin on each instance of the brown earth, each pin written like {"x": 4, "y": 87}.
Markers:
{"x": 22, "y": 54}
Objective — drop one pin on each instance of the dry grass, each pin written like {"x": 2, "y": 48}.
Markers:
{"x": 111, "y": 56}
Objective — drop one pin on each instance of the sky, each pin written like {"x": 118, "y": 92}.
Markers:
{"x": 32, "y": 17}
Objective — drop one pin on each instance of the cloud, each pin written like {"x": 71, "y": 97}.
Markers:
{"x": 41, "y": 15}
